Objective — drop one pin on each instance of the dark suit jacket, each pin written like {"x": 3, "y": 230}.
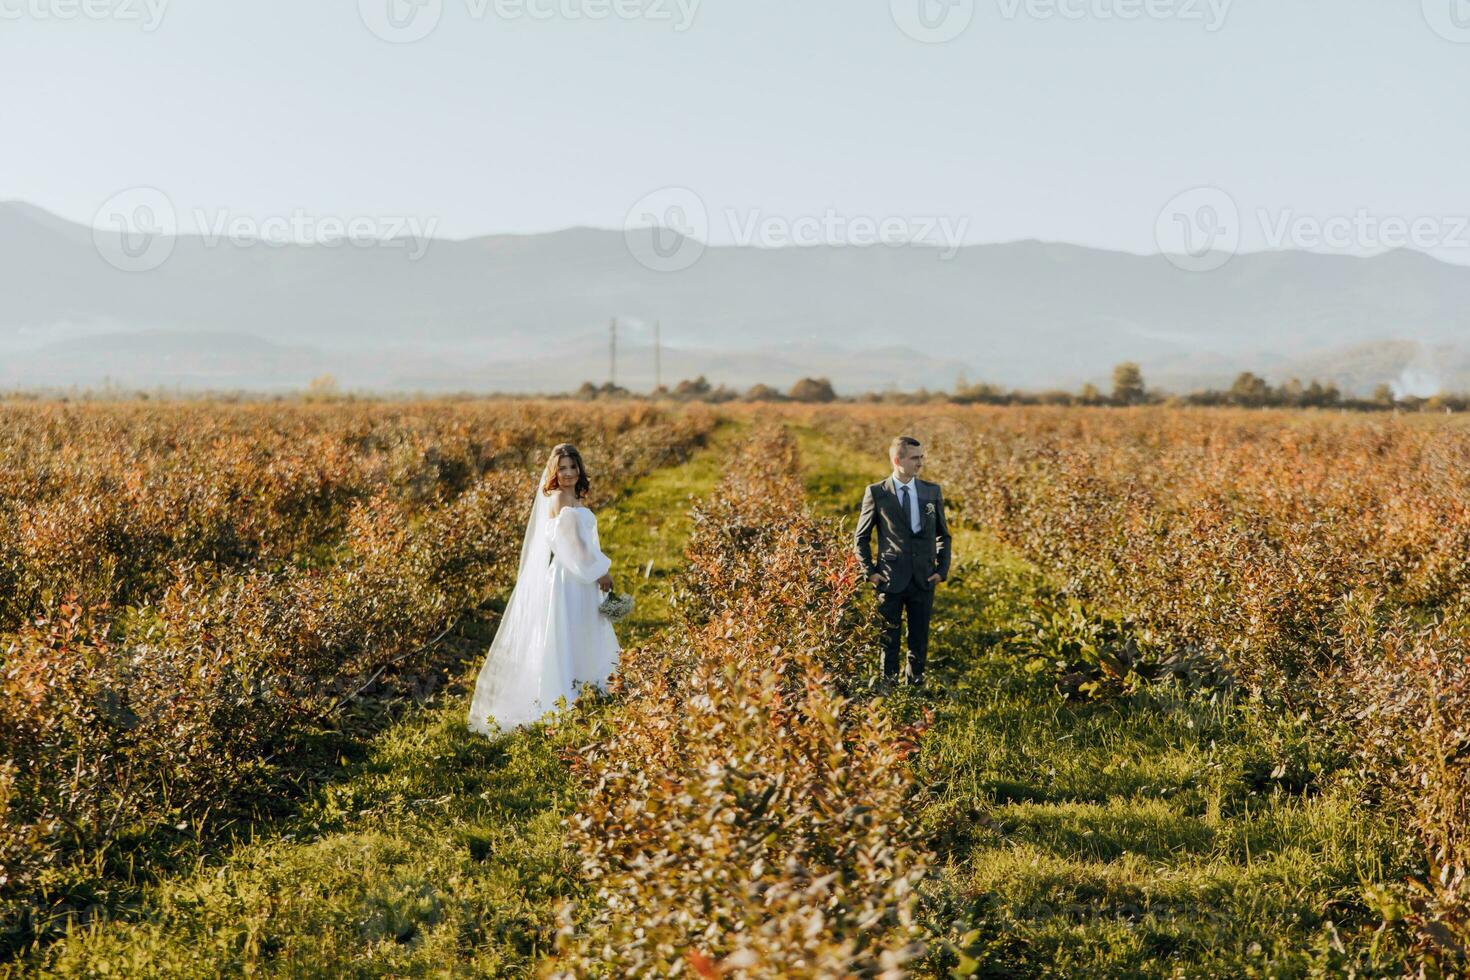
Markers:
{"x": 903, "y": 555}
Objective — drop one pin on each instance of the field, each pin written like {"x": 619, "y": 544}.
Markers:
{"x": 1199, "y": 702}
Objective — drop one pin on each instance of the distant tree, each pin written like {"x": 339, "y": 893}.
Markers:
{"x": 1090, "y": 395}
{"x": 1291, "y": 393}
{"x": 591, "y": 392}
{"x": 323, "y": 386}
{"x": 983, "y": 394}
{"x": 722, "y": 394}
{"x": 1383, "y": 395}
{"x": 1250, "y": 390}
{"x": 695, "y": 390}
{"x": 764, "y": 393}
{"x": 1128, "y": 386}
{"x": 1319, "y": 396}
{"x": 1443, "y": 403}
{"x": 812, "y": 390}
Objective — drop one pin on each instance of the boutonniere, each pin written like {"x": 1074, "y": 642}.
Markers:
{"x": 928, "y": 508}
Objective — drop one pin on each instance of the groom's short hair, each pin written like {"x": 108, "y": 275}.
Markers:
{"x": 897, "y": 445}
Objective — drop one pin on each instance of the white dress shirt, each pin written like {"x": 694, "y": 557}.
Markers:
{"x": 899, "y": 485}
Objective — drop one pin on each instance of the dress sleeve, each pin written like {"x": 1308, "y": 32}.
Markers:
{"x": 580, "y": 556}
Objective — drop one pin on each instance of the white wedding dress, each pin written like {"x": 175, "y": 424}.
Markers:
{"x": 552, "y": 639}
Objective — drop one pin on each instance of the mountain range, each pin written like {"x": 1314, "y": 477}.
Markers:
{"x": 521, "y": 313}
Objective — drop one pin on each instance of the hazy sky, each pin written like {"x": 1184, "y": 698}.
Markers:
{"x": 1070, "y": 120}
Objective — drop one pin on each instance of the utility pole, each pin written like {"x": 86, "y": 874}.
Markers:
{"x": 612, "y": 352}
{"x": 658, "y": 355}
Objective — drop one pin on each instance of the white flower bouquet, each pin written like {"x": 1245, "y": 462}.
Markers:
{"x": 616, "y": 605}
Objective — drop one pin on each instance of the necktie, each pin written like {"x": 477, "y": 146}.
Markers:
{"x": 903, "y": 501}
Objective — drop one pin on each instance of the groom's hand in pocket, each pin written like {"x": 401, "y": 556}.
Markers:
{"x": 935, "y": 579}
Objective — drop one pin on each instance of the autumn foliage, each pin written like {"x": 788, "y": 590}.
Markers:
{"x": 1321, "y": 561}
{"x": 186, "y": 590}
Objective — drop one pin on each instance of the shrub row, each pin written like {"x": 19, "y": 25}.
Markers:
{"x": 100, "y": 501}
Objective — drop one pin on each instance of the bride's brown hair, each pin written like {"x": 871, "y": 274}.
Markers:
{"x": 551, "y": 480}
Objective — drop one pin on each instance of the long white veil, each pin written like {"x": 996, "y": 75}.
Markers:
{"x": 508, "y": 690}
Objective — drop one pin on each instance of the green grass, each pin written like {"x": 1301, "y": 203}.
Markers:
{"x": 646, "y": 531}
{"x": 437, "y": 853}
{"x": 1141, "y": 837}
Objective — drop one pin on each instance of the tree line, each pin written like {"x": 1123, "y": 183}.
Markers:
{"x": 1249, "y": 390}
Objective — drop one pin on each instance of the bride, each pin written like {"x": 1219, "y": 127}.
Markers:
{"x": 551, "y": 639}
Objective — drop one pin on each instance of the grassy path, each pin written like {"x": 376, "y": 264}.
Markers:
{"x": 1150, "y": 836}
{"x": 437, "y": 854}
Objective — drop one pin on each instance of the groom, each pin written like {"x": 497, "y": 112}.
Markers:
{"x": 913, "y": 554}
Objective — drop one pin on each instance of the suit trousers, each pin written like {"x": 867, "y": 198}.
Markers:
{"x": 915, "y": 602}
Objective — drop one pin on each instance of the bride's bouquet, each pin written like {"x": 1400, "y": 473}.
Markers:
{"x": 616, "y": 605}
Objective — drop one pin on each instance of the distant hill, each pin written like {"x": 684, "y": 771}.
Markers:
{"x": 530, "y": 312}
